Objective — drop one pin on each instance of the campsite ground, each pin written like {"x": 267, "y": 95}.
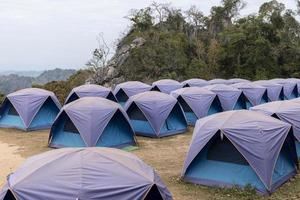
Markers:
{"x": 165, "y": 155}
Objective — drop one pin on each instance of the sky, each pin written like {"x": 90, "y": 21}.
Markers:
{"x": 45, "y": 34}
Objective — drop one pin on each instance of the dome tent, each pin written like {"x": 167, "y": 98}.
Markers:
{"x": 197, "y": 102}
{"x": 127, "y": 89}
{"x": 287, "y": 111}
{"x": 297, "y": 81}
{"x": 90, "y": 90}
{"x": 166, "y": 85}
{"x": 290, "y": 90}
{"x": 240, "y": 148}
{"x": 274, "y": 90}
{"x": 85, "y": 173}
{"x": 91, "y": 121}
{"x": 155, "y": 114}
{"x": 231, "y": 98}
{"x": 194, "y": 82}
{"x": 219, "y": 81}
{"x": 254, "y": 94}
{"x": 238, "y": 80}
{"x": 29, "y": 109}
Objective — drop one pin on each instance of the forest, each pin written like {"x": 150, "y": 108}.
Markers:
{"x": 187, "y": 44}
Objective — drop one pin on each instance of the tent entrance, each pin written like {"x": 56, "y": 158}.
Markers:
{"x": 189, "y": 113}
{"x": 138, "y": 120}
{"x": 153, "y": 194}
{"x": 215, "y": 107}
{"x": 121, "y": 96}
{"x": 9, "y": 196}
{"x": 117, "y": 133}
{"x": 72, "y": 98}
{"x": 155, "y": 88}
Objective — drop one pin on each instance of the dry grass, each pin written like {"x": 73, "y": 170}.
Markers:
{"x": 166, "y": 155}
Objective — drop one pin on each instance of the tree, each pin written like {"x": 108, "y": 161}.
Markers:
{"x": 100, "y": 54}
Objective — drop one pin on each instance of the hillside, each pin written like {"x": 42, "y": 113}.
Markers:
{"x": 13, "y": 82}
{"x": 165, "y": 42}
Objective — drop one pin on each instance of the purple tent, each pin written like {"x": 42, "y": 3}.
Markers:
{"x": 297, "y": 81}
{"x": 195, "y": 82}
{"x": 289, "y": 87}
{"x": 274, "y": 90}
{"x": 238, "y": 80}
{"x": 155, "y": 114}
{"x": 84, "y": 173}
{"x": 229, "y": 96}
{"x": 197, "y": 102}
{"x": 287, "y": 111}
{"x": 219, "y": 81}
{"x": 240, "y": 148}
{"x": 90, "y": 90}
{"x": 29, "y": 109}
{"x": 127, "y": 89}
{"x": 166, "y": 85}
{"x": 254, "y": 93}
{"x": 92, "y": 121}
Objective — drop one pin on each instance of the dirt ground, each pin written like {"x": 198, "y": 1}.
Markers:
{"x": 166, "y": 155}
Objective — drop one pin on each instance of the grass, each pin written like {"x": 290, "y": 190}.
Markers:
{"x": 166, "y": 156}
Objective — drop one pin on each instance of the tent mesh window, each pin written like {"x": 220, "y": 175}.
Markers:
{"x": 122, "y": 96}
{"x": 184, "y": 105}
{"x": 9, "y": 196}
{"x": 12, "y": 111}
{"x": 153, "y": 194}
{"x": 135, "y": 113}
{"x": 221, "y": 149}
{"x": 70, "y": 127}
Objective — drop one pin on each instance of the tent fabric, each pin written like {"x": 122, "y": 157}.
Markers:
{"x": 27, "y": 102}
{"x": 258, "y": 137}
{"x": 167, "y": 85}
{"x": 238, "y": 80}
{"x": 91, "y": 115}
{"x": 287, "y": 111}
{"x": 289, "y": 87}
{"x": 219, "y": 81}
{"x": 198, "y": 99}
{"x": 254, "y": 93}
{"x": 195, "y": 82}
{"x": 85, "y": 173}
{"x": 90, "y": 90}
{"x": 227, "y": 95}
{"x": 132, "y": 88}
{"x": 156, "y": 107}
{"x": 274, "y": 90}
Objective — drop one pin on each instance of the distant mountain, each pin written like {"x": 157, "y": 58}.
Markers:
{"x": 15, "y": 81}
{"x": 31, "y": 73}
{"x": 53, "y": 75}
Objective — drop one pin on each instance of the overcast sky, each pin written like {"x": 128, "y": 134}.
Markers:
{"x": 44, "y": 34}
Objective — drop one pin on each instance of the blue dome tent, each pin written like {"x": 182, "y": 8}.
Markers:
{"x": 195, "y": 82}
{"x": 241, "y": 148}
{"x": 254, "y": 94}
{"x": 155, "y": 114}
{"x": 231, "y": 98}
{"x": 29, "y": 109}
{"x": 197, "y": 102}
{"x": 89, "y": 122}
{"x": 127, "y": 89}
{"x": 90, "y": 90}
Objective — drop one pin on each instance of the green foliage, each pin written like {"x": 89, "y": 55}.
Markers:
{"x": 188, "y": 44}
{"x": 63, "y": 88}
